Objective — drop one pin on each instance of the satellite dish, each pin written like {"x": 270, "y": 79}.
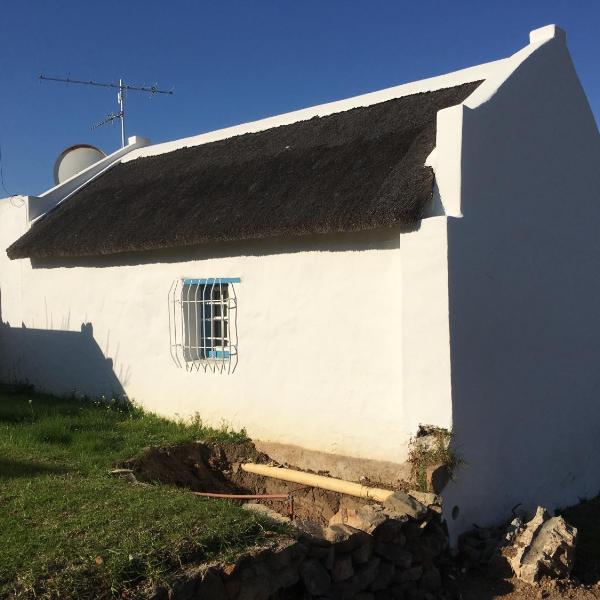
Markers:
{"x": 75, "y": 159}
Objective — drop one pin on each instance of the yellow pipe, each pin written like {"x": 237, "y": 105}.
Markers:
{"x": 319, "y": 481}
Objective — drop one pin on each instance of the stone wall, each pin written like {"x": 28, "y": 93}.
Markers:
{"x": 388, "y": 558}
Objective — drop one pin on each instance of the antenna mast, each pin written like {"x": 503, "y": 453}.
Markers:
{"x": 122, "y": 87}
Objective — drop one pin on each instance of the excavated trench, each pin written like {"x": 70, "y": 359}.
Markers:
{"x": 213, "y": 468}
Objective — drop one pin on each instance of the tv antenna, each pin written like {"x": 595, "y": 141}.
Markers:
{"x": 122, "y": 87}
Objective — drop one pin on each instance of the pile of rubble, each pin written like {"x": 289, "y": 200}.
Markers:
{"x": 541, "y": 547}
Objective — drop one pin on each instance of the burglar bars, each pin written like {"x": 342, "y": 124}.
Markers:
{"x": 203, "y": 324}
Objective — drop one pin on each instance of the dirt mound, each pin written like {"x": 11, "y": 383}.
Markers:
{"x": 196, "y": 466}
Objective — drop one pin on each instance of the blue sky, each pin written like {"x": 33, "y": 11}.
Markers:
{"x": 235, "y": 61}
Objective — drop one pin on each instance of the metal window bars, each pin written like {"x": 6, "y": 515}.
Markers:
{"x": 203, "y": 324}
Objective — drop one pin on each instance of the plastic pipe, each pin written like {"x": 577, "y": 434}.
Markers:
{"x": 319, "y": 481}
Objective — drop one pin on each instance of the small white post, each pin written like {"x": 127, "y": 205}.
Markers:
{"x": 121, "y": 98}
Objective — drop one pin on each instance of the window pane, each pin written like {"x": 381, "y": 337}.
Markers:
{"x": 220, "y": 330}
{"x": 204, "y": 319}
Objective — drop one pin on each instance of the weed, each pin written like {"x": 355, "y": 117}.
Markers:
{"x": 431, "y": 447}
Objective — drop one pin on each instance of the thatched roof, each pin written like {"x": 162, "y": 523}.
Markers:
{"x": 355, "y": 170}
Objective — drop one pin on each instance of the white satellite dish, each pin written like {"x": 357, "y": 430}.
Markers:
{"x": 75, "y": 159}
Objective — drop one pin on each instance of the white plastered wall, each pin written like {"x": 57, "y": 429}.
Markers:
{"x": 320, "y": 326}
{"x": 344, "y": 344}
{"x": 524, "y": 286}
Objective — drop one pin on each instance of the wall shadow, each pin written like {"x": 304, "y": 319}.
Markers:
{"x": 523, "y": 300}
{"x": 58, "y": 362}
{"x": 14, "y": 469}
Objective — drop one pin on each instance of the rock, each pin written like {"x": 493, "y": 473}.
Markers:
{"x": 425, "y": 498}
{"x": 406, "y": 575}
{"x": 311, "y": 529}
{"x": 344, "y": 537}
{"x": 288, "y": 554}
{"x": 258, "y": 588}
{"x": 498, "y": 567}
{"x": 315, "y": 577}
{"x": 431, "y": 579}
{"x": 362, "y": 554}
{"x": 489, "y": 551}
{"x": 400, "y": 505}
{"x": 394, "y": 553}
{"x": 329, "y": 559}
{"x": 285, "y": 578}
{"x": 397, "y": 592}
{"x": 471, "y": 548}
{"x": 367, "y": 518}
{"x": 342, "y": 569}
{"x": 412, "y": 531}
{"x": 546, "y": 546}
{"x": 325, "y": 555}
{"x": 233, "y": 588}
{"x": 435, "y": 527}
{"x": 408, "y": 589}
{"x": 415, "y": 594}
{"x": 321, "y": 552}
{"x": 365, "y": 575}
{"x": 472, "y": 554}
{"x": 427, "y": 547}
{"x": 389, "y": 531}
{"x": 265, "y": 511}
{"x": 513, "y": 529}
{"x": 437, "y": 477}
{"x": 384, "y": 576}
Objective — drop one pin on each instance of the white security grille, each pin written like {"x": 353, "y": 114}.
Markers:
{"x": 203, "y": 324}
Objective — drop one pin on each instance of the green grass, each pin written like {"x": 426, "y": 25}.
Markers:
{"x": 69, "y": 530}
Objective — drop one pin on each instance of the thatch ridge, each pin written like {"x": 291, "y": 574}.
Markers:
{"x": 355, "y": 170}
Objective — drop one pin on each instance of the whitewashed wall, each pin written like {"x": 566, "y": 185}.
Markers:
{"x": 320, "y": 325}
{"x": 344, "y": 340}
{"x": 524, "y": 284}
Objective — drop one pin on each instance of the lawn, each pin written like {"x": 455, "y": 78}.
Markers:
{"x": 70, "y": 530}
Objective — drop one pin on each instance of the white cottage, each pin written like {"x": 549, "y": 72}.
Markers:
{"x": 333, "y": 278}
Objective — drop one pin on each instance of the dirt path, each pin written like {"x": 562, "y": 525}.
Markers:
{"x": 479, "y": 587}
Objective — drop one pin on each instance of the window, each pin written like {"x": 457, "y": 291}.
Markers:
{"x": 202, "y": 323}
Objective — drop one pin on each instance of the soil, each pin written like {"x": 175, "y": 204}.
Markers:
{"x": 213, "y": 467}
{"x": 196, "y": 466}
{"x": 478, "y": 586}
